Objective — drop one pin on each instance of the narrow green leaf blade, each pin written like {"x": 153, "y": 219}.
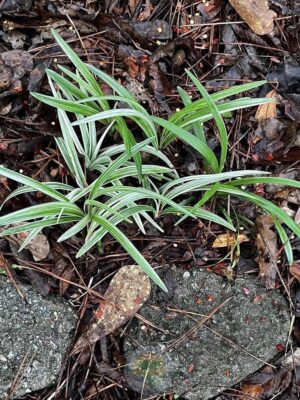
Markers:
{"x": 34, "y": 184}
{"x": 285, "y": 242}
{"x": 131, "y": 250}
{"x": 191, "y": 140}
{"x": 217, "y": 117}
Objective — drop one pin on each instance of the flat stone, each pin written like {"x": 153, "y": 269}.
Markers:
{"x": 35, "y": 334}
{"x": 242, "y": 336}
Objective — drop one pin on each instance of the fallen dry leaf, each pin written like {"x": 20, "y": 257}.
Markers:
{"x": 295, "y": 271}
{"x": 128, "y": 291}
{"x": 39, "y": 247}
{"x": 132, "y": 5}
{"x": 225, "y": 240}
{"x": 253, "y": 391}
{"x": 266, "y": 242}
{"x": 62, "y": 266}
{"x": 256, "y": 14}
{"x": 267, "y": 384}
{"x": 268, "y": 110}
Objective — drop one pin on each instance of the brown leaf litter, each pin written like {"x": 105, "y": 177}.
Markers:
{"x": 266, "y": 242}
{"x": 128, "y": 291}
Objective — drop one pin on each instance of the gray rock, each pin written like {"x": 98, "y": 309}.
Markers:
{"x": 35, "y": 334}
{"x": 240, "y": 338}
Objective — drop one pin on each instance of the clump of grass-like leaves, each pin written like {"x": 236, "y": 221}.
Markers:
{"x": 98, "y": 207}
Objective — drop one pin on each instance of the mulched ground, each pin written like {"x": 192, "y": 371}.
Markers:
{"x": 146, "y": 45}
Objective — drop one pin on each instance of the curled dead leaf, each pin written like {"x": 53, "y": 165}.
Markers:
{"x": 226, "y": 240}
{"x": 128, "y": 291}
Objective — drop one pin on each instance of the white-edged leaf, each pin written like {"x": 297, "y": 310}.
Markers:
{"x": 285, "y": 242}
{"x": 131, "y": 250}
{"x": 40, "y": 211}
{"x": 39, "y": 224}
{"x": 34, "y": 184}
{"x": 75, "y": 229}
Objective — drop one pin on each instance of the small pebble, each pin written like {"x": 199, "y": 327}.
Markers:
{"x": 186, "y": 275}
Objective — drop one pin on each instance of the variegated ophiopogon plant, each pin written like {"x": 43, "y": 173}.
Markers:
{"x": 125, "y": 188}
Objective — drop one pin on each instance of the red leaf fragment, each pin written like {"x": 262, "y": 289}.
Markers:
{"x": 138, "y": 300}
{"x": 280, "y": 347}
{"x": 257, "y": 299}
{"x": 191, "y": 368}
{"x": 227, "y": 373}
{"x": 246, "y": 291}
{"x": 22, "y": 235}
